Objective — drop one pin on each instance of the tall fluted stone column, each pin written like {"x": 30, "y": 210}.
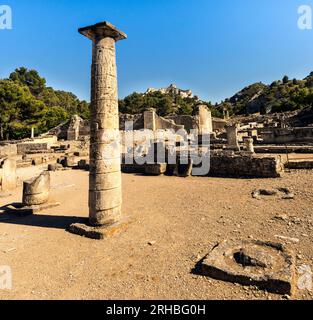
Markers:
{"x": 105, "y": 195}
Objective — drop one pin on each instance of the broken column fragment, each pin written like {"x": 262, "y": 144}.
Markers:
{"x": 36, "y": 191}
{"x": 8, "y": 174}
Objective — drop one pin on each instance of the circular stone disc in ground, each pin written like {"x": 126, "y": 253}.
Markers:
{"x": 267, "y": 265}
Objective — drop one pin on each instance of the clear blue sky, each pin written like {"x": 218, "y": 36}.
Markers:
{"x": 214, "y": 47}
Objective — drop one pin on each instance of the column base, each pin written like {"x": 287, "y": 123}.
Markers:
{"x": 98, "y": 233}
{"x": 20, "y": 210}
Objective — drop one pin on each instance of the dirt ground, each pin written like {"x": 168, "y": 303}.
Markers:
{"x": 176, "y": 222}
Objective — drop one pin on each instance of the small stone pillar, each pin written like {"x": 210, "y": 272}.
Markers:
{"x": 150, "y": 120}
{"x": 249, "y": 145}
{"x": 205, "y": 125}
{"x": 8, "y": 174}
{"x": 232, "y": 137}
{"x": 205, "y": 120}
{"x": 36, "y": 191}
{"x": 32, "y": 133}
{"x": 73, "y": 130}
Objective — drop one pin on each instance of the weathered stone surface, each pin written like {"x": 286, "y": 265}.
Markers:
{"x": 245, "y": 166}
{"x": 304, "y": 164}
{"x": 106, "y": 217}
{"x": 8, "y": 174}
{"x": 24, "y": 148}
{"x": 155, "y": 169}
{"x": 37, "y": 161}
{"x": 284, "y": 193}
{"x": 205, "y": 120}
{"x": 36, "y": 191}
{"x": 73, "y": 130}
{"x": 105, "y": 196}
{"x": 83, "y": 165}
{"x": 55, "y": 167}
{"x": 102, "y": 151}
{"x": 232, "y": 137}
{"x": 35, "y": 199}
{"x": 69, "y": 162}
{"x": 105, "y": 199}
{"x": 98, "y": 233}
{"x": 267, "y": 265}
{"x": 150, "y": 120}
{"x": 183, "y": 170}
{"x": 112, "y": 180}
{"x": 133, "y": 168}
{"x": 81, "y": 153}
{"x": 249, "y": 145}
{"x": 105, "y": 166}
{"x": 8, "y": 150}
{"x": 29, "y": 210}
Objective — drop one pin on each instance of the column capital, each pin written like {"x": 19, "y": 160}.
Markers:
{"x": 102, "y": 30}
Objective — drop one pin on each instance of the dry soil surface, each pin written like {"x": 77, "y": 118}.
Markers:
{"x": 176, "y": 222}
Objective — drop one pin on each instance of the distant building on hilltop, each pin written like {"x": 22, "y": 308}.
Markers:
{"x": 172, "y": 89}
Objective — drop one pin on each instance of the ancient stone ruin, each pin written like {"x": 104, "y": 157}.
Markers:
{"x": 36, "y": 196}
{"x": 105, "y": 195}
{"x": 269, "y": 266}
{"x": 7, "y": 174}
{"x": 36, "y": 191}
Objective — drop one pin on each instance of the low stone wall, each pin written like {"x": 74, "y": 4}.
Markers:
{"x": 284, "y": 149}
{"x": 136, "y": 119}
{"x": 300, "y": 164}
{"x": 166, "y": 124}
{"x": 49, "y": 140}
{"x": 236, "y": 166}
{"x": 24, "y": 148}
{"x": 219, "y": 124}
{"x": 133, "y": 168}
{"x": 286, "y": 135}
{"x": 246, "y": 166}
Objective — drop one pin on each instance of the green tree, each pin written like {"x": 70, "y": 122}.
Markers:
{"x": 29, "y": 78}
{"x": 17, "y": 104}
{"x": 83, "y": 109}
{"x": 285, "y": 79}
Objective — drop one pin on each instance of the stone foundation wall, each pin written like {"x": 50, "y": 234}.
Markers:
{"x": 24, "y": 148}
{"x": 237, "y": 166}
{"x": 286, "y": 135}
{"x": 137, "y": 119}
{"x": 79, "y": 128}
{"x": 219, "y": 124}
{"x": 165, "y": 124}
{"x": 188, "y": 122}
{"x": 246, "y": 166}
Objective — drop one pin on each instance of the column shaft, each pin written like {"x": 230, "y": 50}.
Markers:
{"x": 105, "y": 195}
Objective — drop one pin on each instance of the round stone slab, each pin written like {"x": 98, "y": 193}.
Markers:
{"x": 269, "y": 266}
